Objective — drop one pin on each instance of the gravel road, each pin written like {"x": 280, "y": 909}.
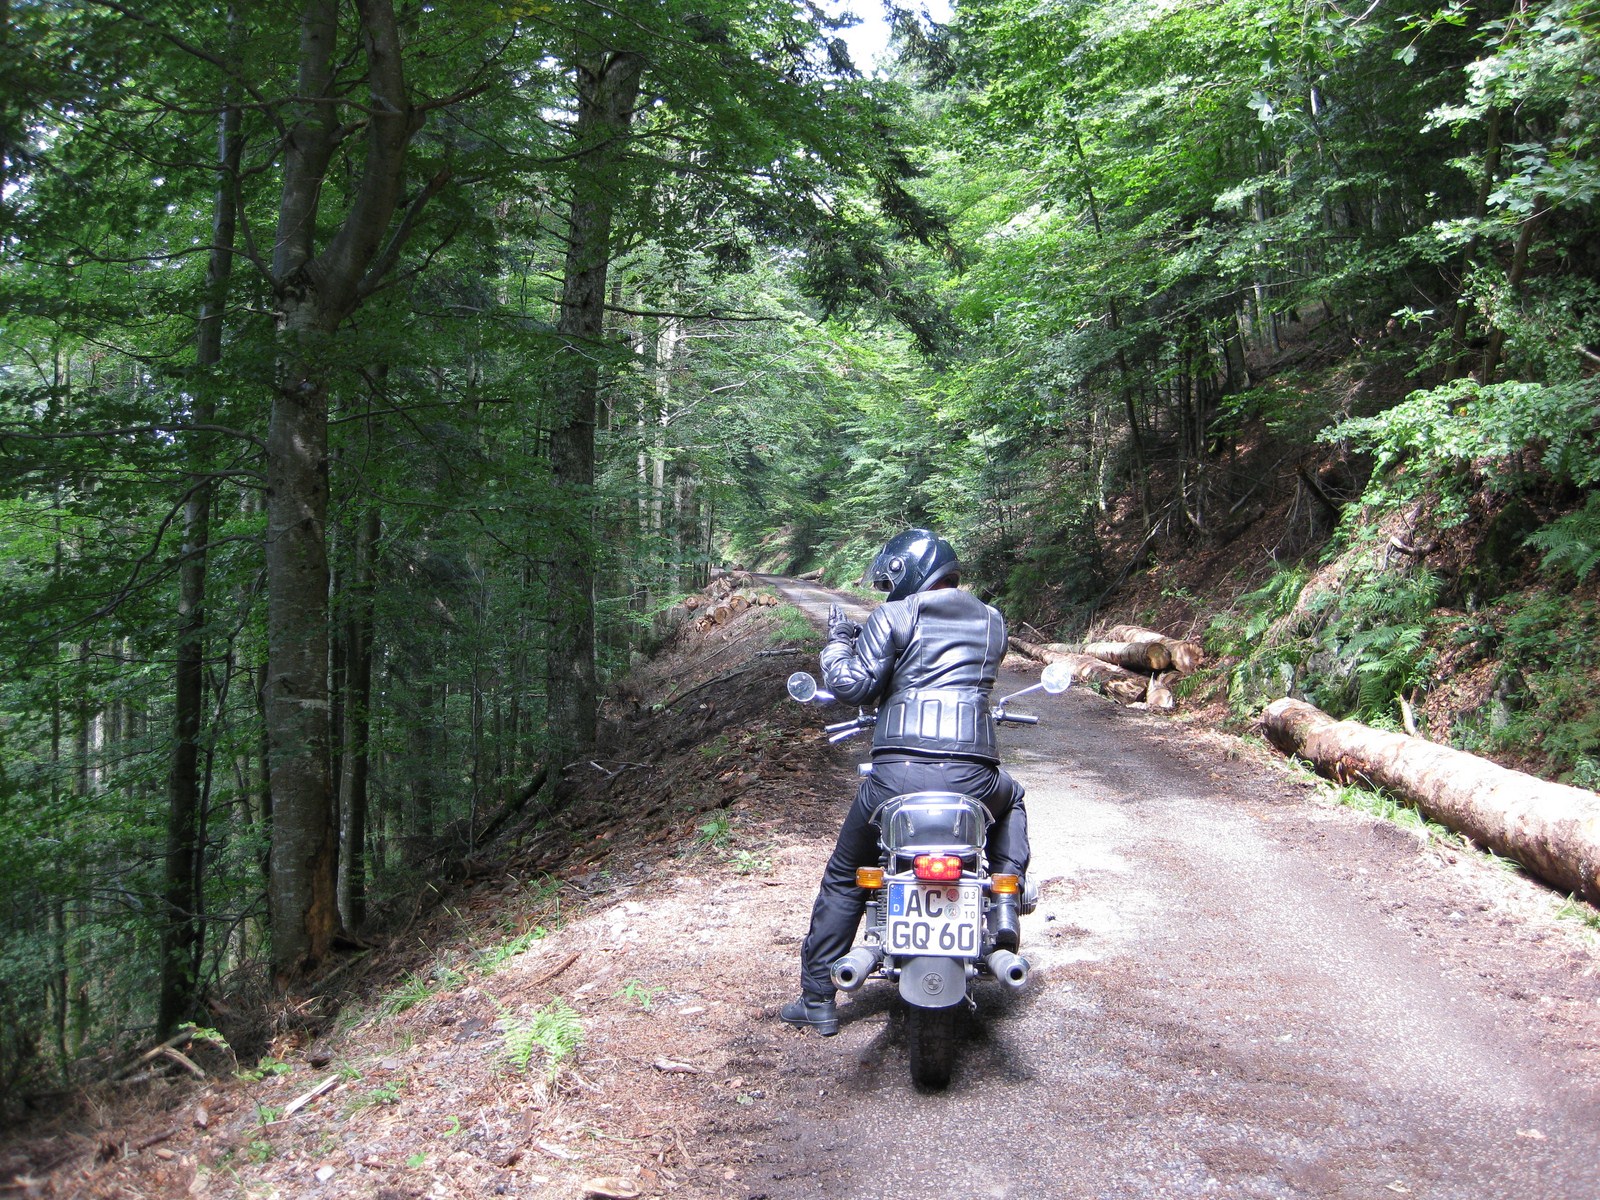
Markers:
{"x": 1238, "y": 991}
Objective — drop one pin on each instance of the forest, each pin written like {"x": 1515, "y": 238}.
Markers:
{"x": 376, "y": 376}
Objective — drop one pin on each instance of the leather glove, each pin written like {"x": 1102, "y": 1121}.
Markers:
{"x": 840, "y": 627}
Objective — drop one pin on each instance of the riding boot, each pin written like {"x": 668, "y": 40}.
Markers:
{"x": 812, "y": 1012}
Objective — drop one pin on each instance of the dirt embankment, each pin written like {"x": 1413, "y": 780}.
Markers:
{"x": 561, "y": 1015}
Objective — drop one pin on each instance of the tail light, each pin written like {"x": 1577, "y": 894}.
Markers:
{"x": 937, "y": 868}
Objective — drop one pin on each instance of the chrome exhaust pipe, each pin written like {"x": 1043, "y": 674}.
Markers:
{"x": 1010, "y": 969}
{"x": 851, "y": 971}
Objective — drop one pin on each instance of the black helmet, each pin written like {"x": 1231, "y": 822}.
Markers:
{"x": 912, "y": 562}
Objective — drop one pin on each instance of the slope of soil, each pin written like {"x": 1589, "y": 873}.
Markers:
{"x": 625, "y": 916}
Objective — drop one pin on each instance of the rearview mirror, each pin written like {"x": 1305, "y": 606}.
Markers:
{"x": 804, "y": 689}
{"x": 1057, "y": 677}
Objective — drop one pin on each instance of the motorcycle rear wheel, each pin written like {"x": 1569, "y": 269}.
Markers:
{"x": 931, "y": 1036}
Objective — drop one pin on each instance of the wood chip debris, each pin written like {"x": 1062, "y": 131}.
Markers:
{"x": 676, "y": 1068}
{"x": 611, "y": 1187}
{"x": 300, "y": 1102}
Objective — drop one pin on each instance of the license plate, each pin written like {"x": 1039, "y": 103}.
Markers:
{"x": 934, "y": 918}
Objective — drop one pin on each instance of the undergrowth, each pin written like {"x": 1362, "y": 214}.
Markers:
{"x": 1454, "y": 599}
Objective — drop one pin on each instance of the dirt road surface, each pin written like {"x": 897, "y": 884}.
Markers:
{"x": 1236, "y": 993}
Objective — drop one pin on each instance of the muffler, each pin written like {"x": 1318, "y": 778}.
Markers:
{"x": 851, "y": 971}
{"x": 1010, "y": 969}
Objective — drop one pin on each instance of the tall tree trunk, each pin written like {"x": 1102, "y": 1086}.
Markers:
{"x": 1140, "y": 475}
{"x": 1480, "y": 210}
{"x": 316, "y": 291}
{"x": 357, "y": 726}
{"x": 608, "y": 87}
{"x": 1514, "y": 277}
{"x": 182, "y": 939}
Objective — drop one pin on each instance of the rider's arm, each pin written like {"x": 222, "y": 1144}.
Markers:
{"x": 857, "y": 671}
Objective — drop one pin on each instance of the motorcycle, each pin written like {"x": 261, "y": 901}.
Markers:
{"x": 933, "y": 909}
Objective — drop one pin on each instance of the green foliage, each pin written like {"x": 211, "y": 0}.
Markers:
{"x": 495, "y": 957}
{"x": 1574, "y": 909}
{"x": 1546, "y": 704}
{"x": 793, "y": 627}
{"x": 745, "y": 861}
{"x": 638, "y": 992}
{"x": 264, "y": 1069}
{"x": 1377, "y": 629}
{"x": 1255, "y": 613}
{"x": 1462, "y": 437}
{"x": 1571, "y": 543}
{"x": 553, "y": 1033}
{"x": 1353, "y": 647}
{"x": 418, "y": 988}
{"x": 383, "y": 1094}
{"x": 715, "y": 833}
{"x": 1378, "y": 803}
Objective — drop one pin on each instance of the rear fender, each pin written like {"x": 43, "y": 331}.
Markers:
{"x": 929, "y": 981}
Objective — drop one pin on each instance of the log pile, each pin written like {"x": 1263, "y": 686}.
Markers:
{"x": 1131, "y": 665}
{"x": 1552, "y": 830}
{"x": 724, "y": 598}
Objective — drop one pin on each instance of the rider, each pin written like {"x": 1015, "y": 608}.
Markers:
{"x": 928, "y": 656}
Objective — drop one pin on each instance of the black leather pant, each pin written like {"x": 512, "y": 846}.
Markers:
{"x": 837, "y": 911}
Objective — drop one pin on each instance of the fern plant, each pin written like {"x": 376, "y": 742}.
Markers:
{"x": 1572, "y": 543}
{"x": 554, "y": 1032}
{"x": 1380, "y": 632}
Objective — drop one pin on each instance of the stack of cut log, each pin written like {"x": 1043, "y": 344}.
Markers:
{"x": 1131, "y": 665}
{"x": 725, "y": 598}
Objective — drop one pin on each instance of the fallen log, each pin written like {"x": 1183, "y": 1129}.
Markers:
{"x": 1122, "y": 686}
{"x": 1552, "y": 830}
{"x": 1148, "y": 656}
{"x": 1125, "y": 687}
{"x": 1186, "y": 656}
{"x": 1033, "y": 650}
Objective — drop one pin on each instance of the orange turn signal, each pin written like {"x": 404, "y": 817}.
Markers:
{"x": 869, "y": 877}
{"x": 1004, "y": 885}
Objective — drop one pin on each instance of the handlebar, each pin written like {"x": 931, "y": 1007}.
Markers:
{"x": 803, "y": 687}
{"x": 844, "y": 729}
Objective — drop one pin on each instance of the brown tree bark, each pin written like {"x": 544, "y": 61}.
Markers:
{"x": 182, "y": 936}
{"x": 1552, "y": 830}
{"x": 1149, "y": 656}
{"x": 357, "y": 726}
{"x": 1186, "y": 656}
{"x": 316, "y": 291}
{"x": 608, "y": 88}
{"x": 1125, "y": 687}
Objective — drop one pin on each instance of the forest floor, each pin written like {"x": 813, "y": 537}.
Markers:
{"x": 1240, "y": 990}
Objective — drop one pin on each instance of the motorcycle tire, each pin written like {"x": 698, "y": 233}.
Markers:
{"x": 931, "y": 1035}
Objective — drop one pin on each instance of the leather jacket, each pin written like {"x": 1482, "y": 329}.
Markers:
{"x": 929, "y": 661}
